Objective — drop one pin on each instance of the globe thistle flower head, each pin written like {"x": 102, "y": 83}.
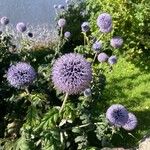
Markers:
{"x": 107, "y": 30}
{"x": 102, "y": 57}
{"x": 67, "y": 34}
{"x": 97, "y": 45}
{"x": 21, "y": 75}
{"x": 21, "y": 27}
{"x": 116, "y": 42}
{"x": 87, "y": 92}
{"x": 117, "y": 115}
{"x": 30, "y": 34}
{"x": 104, "y": 22}
{"x": 4, "y": 20}
{"x": 131, "y": 123}
{"x": 112, "y": 60}
{"x": 85, "y": 27}
{"x": 61, "y": 22}
{"x": 71, "y": 73}
{"x": 61, "y": 7}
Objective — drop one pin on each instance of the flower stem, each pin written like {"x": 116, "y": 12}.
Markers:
{"x": 64, "y": 102}
{"x": 95, "y": 57}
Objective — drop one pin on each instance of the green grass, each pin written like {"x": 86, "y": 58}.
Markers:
{"x": 129, "y": 86}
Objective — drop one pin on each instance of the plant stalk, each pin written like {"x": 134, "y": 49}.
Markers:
{"x": 64, "y": 102}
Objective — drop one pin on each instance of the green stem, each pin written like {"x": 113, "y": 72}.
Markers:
{"x": 95, "y": 57}
{"x": 64, "y": 102}
{"x": 27, "y": 91}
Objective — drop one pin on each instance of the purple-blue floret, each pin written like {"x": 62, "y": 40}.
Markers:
{"x": 21, "y": 27}
{"x": 4, "y": 20}
{"x": 85, "y": 27}
{"x": 21, "y": 75}
{"x": 61, "y": 22}
{"x": 112, "y": 60}
{"x": 117, "y": 115}
{"x": 104, "y": 22}
{"x": 67, "y": 34}
{"x": 97, "y": 45}
{"x": 131, "y": 123}
{"x": 71, "y": 73}
{"x": 102, "y": 57}
{"x": 116, "y": 42}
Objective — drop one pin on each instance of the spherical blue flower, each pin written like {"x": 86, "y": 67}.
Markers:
{"x": 4, "y": 20}
{"x": 87, "y": 92}
{"x": 61, "y": 22}
{"x": 71, "y": 73}
{"x": 107, "y": 30}
{"x": 85, "y": 27}
{"x": 112, "y": 60}
{"x": 104, "y": 22}
{"x": 97, "y": 45}
{"x": 55, "y": 6}
{"x": 102, "y": 57}
{"x": 67, "y": 34}
{"x": 61, "y": 7}
{"x": 21, "y": 75}
{"x": 117, "y": 115}
{"x": 21, "y": 27}
{"x": 131, "y": 123}
{"x": 116, "y": 42}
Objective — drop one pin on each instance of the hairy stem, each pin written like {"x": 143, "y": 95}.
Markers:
{"x": 64, "y": 102}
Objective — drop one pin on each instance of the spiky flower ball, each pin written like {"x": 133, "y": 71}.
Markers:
{"x": 131, "y": 123}
{"x": 21, "y": 75}
{"x": 61, "y": 22}
{"x": 104, "y": 22}
{"x": 102, "y": 57}
{"x": 67, "y": 34}
{"x": 21, "y": 27}
{"x": 117, "y": 115}
{"x": 97, "y": 45}
{"x": 116, "y": 42}
{"x": 4, "y": 20}
{"x": 85, "y": 27}
{"x": 87, "y": 92}
{"x": 71, "y": 73}
{"x": 112, "y": 60}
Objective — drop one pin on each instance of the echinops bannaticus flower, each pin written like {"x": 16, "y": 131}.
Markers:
{"x": 97, "y": 45}
{"x": 71, "y": 73}
{"x": 21, "y": 27}
{"x": 104, "y": 22}
{"x": 4, "y": 20}
{"x": 85, "y": 27}
{"x": 61, "y": 22}
{"x": 21, "y": 75}
{"x": 102, "y": 57}
{"x": 67, "y": 34}
{"x": 117, "y": 115}
{"x": 116, "y": 42}
{"x": 112, "y": 60}
{"x": 131, "y": 123}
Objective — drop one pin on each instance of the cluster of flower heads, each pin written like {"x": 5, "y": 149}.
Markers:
{"x": 118, "y": 116}
{"x": 21, "y": 75}
{"x": 71, "y": 73}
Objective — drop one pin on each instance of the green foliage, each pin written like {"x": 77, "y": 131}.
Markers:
{"x": 131, "y": 21}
